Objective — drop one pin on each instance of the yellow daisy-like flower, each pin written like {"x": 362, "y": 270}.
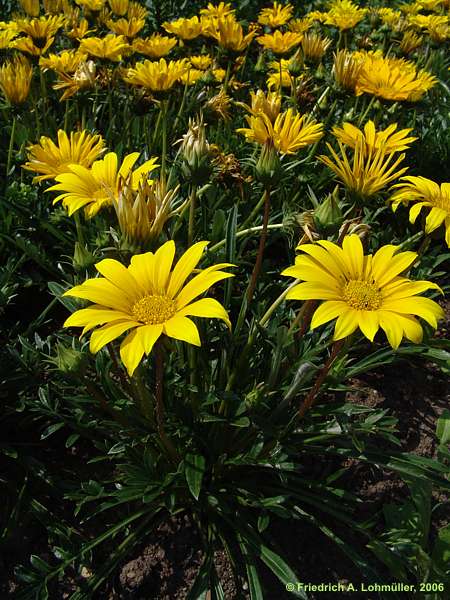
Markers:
{"x": 389, "y": 16}
{"x": 409, "y": 42}
{"x": 191, "y": 76}
{"x": 6, "y": 37}
{"x": 15, "y": 80}
{"x": 387, "y": 139}
{"x": 157, "y": 76}
{"x": 229, "y": 34}
{"x": 289, "y": 133}
{"x": 275, "y": 16}
{"x": 66, "y": 61}
{"x": 118, "y": 7}
{"x": 186, "y": 29}
{"x": 365, "y": 292}
{"x": 280, "y": 75}
{"x": 223, "y": 9}
{"x": 314, "y": 46}
{"x": 93, "y": 5}
{"x": 79, "y": 29}
{"x": 126, "y": 27}
{"x": 111, "y": 47}
{"x": 343, "y": 14}
{"x": 32, "y": 47}
{"x": 136, "y": 11}
{"x": 300, "y": 25}
{"x": 50, "y": 159}
{"x": 425, "y": 193}
{"x": 40, "y": 30}
{"x": 83, "y": 79}
{"x": 98, "y": 186}
{"x": 346, "y": 69}
{"x": 156, "y": 45}
{"x": 31, "y": 7}
{"x": 151, "y": 296}
{"x": 268, "y": 103}
{"x": 201, "y": 61}
{"x": 393, "y": 79}
{"x": 279, "y": 42}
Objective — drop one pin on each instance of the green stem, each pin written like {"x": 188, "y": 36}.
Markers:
{"x": 262, "y": 244}
{"x": 11, "y": 145}
{"x": 244, "y": 232}
{"x": 159, "y": 376}
{"x": 254, "y": 212}
{"x": 192, "y": 203}
{"x": 164, "y": 140}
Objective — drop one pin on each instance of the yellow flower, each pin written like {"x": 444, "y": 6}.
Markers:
{"x": 280, "y": 43}
{"x": 41, "y": 29}
{"x": 6, "y": 37}
{"x": 111, "y": 47}
{"x": 97, "y": 187}
{"x": 136, "y": 11}
{"x": 152, "y": 297}
{"x": 157, "y": 76}
{"x": 389, "y": 16}
{"x": 314, "y": 46}
{"x": 269, "y": 104}
{"x": 229, "y": 34}
{"x": 66, "y": 61}
{"x": 50, "y": 159}
{"x": 28, "y": 45}
{"x": 393, "y": 79}
{"x": 143, "y": 212}
{"x": 156, "y": 45}
{"x": 31, "y": 7}
{"x": 368, "y": 173}
{"x": 346, "y": 69}
{"x": 202, "y": 61}
{"x": 223, "y": 9}
{"x": 289, "y": 133}
{"x": 365, "y": 292}
{"x": 83, "y": 79}
{"x": 15, "y": 80}
{"x": 93, "y": 5}
{"x": 220, "y": 105}
{"x": 129, "y": 28}
{"x": 389, "y": 140}
{"x": 118, "y": 7}
{"x": 276, "y": 15}
{"x": 280, "y": 76}
{"x": 300, "y": 25}
{"x": 427, "y": 21}
{"x": 425, "y": 193}
{"x": 191, "y": 76}
{"x": 186, "y": 29}
{"x": 343, "y": 14}
{"x": 409, "y": 42}
{"x": 79, "y": 29}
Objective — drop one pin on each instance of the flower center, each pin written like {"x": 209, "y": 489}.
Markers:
{"x": 153, "y": 310}
{"x": 362, "y": 295}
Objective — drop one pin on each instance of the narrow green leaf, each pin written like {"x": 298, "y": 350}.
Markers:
{"x": 194, "y": 468}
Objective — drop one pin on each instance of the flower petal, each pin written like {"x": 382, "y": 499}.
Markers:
{"x": 182, "y": 328}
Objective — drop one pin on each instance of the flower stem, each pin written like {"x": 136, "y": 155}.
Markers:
{"x": 164, "y": 139}
{"x": 159, "y": 374}
{"x": 244, "y": 232}
{"x": 313, "y": 393}
{"x": 192, "y": 203}
{"x": 262, "y": 244}
{"x": 11, "y": 145}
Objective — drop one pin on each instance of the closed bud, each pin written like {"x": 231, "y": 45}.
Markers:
{"x": 296, "y": 65}
{"x": 196, "y": 154}
{"x": 268, "y": 167}
{"x": 70, "y": 361}
{"x": 328, "y": 215}
{"x": 82, "y": 257}
{"x": 260, "y": 66}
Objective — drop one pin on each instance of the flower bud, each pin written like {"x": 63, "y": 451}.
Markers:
{"x": 268, "y": 167}
{"x": 328, "y": 215}
{"x": 196, "y": 154}
{"x": 82, "y": 257}
{"x": 70, "y": 361}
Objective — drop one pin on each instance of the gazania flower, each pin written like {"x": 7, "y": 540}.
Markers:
{"x": 343, "y": 14}
{"x": 136, "y": 11}
{"x": 410, "y": 41}
{"x": 157, "y": 76}
{"x": 97, "y": 187}
{"x": 111, "y": 47}
{"x": 118, "y": 7}
{"x": 156, "y": 45}
{"x": 83, "y": 79}
{"x": 186, "y": 29}
{"x": 288, "y": 134}
{"x": 31, "y": 7}
{"x": 28, "y": 45}
{"x": 393, "y": 79}
{"x": 346, "y": 69}
{"x": 67, "y": 61}
{"x": 40, "y": 30}
{"x": 387, "y": 139}
{"x": 6, "y": 37}
{"x": 314, "y": 46}
{"x": 218, "y": 11}
{"x": 229, "y": 34}
{"x": 152, "y": 297}
{"x": 15, "y": 80}
{"x": 93, "y": 5}
{"x": 201, "y": 61}
{"x": 220, "y": 105}
{"x": 280, "y": 43}
{"x": 363, "y": 292}
{"x": 276, "y": 15}
{"x": 126, "y": 27}
{"x": 191, "y": 76}
{"x": 79, "y": 29}
{"x": 280, "y": 75}
{"x": 300, "y": 25}
{"x": 50, "y": 159}
{"x": 392, "y": 18}
{"x": 269, "y": 104}
{"x": 425, "y": 193}
{"x": 368, "y": 173}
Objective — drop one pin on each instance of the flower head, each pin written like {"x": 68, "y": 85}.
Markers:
{"x": 97, "y": 186}
{"x": 111, "y": 47}
{"x": 314, "y": 46}
{"x": 201, "y": 61}
{"x": 268, "y": 103}
{"x": 126, "y": 27}
{"x": 280, "y": 43}
{"x": 186, "y": 29}
{"x": 118, "y": 7}
{"x": 421, "y": 193}
{"x": 15, "y": 80}
{"x": 346, "y": 69}
{"x": 276, "y": 15}
{"x": 66, "y": 61}
{"x": 229, "y": 34}
{"x": 289, "y": 133}
{"x": 31, "y": 7}
{"x": 343, "y": 14}
{"x": 157, "y": 76}
{"x": 155, "y": 46}
{"x": 363, "y": 291}
{"x": 152, "y": 297}
{"x": 50, "y": 159}
{"x": 223, "y": 9}
{"x": 389, "y": 139}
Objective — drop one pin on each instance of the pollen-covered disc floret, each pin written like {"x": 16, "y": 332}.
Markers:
{"x": 149, "y": 298}
{"x": 362, "y": 295}
{"x": 154, "y": 309}
{"x": 365, "y": 292}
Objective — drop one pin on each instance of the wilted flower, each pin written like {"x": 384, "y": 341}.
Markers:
{"x": 84, "y": 78}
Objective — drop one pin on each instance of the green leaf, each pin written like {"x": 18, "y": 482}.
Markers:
{"x": 72, "y": 439}
{"x": 441, "y": 550}
{"x": 443, "y": 427}
{"x": 50, "y": 430}
{"x": 40, "y": 564}
{"x": 194, "y": 468}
